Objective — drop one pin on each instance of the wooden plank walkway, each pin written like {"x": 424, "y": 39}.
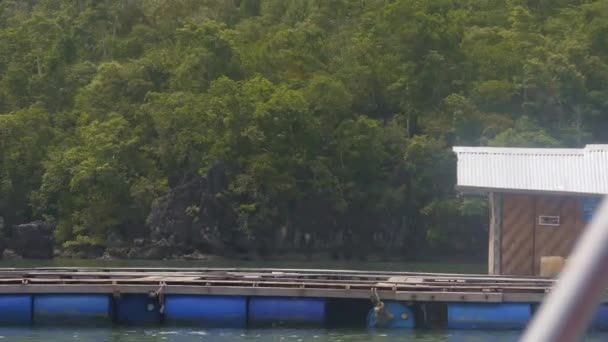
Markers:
{"x": 403, "y": 286}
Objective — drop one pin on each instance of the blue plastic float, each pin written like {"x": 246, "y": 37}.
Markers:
{"x": 401, "y": 316}
{"x": 72, "y": 308}
{"x": 286, "y": 311}
{"x": 488, "y": 315}
{"x": 241, "y": 311}
{"x": 207, "y": 311}
{"x": 15, "y": 309}
{"x": 137, "y": 309}
{"x": 600, "y": 319}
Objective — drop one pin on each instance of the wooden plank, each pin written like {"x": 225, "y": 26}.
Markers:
{"x": 426, "y": 278}
{"x": 259, "y": 270}
{"x": 451, "y": 296}
{"x": 329, "y": 282}
{"x": 407, "y": 286}
{"x": 164, "y": 278}
{"x": 203, "y": 276}
{"x": 390, "y": 282}
{"x": 322, "y": 293}
{"x": 195, "y": 290}
{"x": 393, "y": 280}
{"x": 303, "y": 272}
{"x": 274, "y": 284}
{"x": 412, "y": 281}
{"x": 495, "y": 233}
{"x": 531, "y": 298}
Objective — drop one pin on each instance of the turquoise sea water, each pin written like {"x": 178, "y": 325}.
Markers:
{"x": 266, "y": 335}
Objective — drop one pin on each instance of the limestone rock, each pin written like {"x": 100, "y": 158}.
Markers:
{"x": 192, "y": 216}
{"x": 9, "y": 254}
{"x": 33, "y": 240}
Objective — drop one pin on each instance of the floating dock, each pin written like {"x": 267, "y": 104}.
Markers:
{"x": 241, "y": 298}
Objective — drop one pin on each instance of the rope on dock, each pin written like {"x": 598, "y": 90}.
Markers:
{"x": 160, "y": 295}
{"x": 380, "y": 311}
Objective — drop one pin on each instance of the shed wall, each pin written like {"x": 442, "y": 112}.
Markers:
{"x": 556, "y": 240}
{"x": 525, "y": 239}
{"x": 517, "y": 240}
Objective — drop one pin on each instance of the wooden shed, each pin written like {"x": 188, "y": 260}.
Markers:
{"x": 540, "y": 199}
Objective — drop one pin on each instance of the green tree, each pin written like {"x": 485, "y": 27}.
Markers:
{"x": 25, "y": 137}
{"x": 331, "y": 118}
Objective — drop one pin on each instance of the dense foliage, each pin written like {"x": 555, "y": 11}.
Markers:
{"x": 328, "y": 115}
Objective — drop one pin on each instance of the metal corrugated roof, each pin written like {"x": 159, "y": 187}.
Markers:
{"x": 583, "y": 171}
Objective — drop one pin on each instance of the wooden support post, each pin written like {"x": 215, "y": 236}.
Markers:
{"x": 495, "y": 233}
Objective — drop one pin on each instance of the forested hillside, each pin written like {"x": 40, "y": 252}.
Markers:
{"x": 276, "y": 124}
